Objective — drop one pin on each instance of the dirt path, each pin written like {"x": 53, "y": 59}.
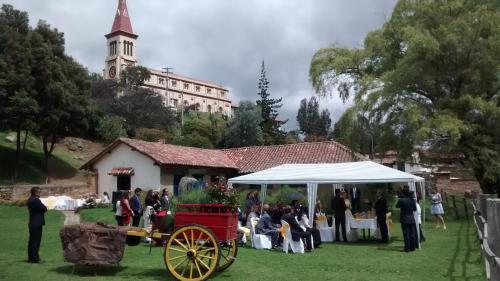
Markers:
{"x": 71, "y": 218}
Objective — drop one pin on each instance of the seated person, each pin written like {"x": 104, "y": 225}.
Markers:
{"x": 276, "y": 213}
{"x": 304, "y": 223}
{"x": 295, "y": 229}
{"x": 266, "y": 227}
{"x": 253, "y": 214}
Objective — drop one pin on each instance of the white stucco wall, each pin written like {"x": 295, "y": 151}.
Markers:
{"x": 146, "y": 174}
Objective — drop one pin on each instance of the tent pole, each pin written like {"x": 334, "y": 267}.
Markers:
{"x": 263, "y": 191}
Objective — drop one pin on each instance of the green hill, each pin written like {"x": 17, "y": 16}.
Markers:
{"x": 63, "y": 166}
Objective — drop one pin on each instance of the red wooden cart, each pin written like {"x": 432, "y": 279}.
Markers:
{"x": 203, "y": 240}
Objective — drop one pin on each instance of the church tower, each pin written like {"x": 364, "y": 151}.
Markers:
{"x": 121, "y": 42}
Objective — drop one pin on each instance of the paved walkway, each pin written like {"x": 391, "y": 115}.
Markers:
{"x": 71, "y": 218}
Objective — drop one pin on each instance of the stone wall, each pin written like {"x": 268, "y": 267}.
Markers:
{"x": 22, "y": 192}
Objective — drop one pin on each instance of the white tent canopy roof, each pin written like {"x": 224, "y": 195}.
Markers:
{"x": 347, "y": 173}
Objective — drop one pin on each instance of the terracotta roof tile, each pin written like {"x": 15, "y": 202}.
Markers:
{"x": 168, "y": 154}
{"x": 257, "y": 158}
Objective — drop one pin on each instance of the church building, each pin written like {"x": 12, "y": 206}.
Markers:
{"x": 178, "y": 91}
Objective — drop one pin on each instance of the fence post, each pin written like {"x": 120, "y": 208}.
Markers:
{"x": 466, "y": 210}
{"x": 482, "y": 204}
{"x": 493, "y": 206}
{"x": 455, "y": 207}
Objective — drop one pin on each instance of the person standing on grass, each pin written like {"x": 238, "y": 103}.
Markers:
{"x": 381, "y": 213}
{"x": 127, "y": 212}
{"x": 36, "y": 222}
{"x": 135, "y": 204}
{"x": 437, "y": 208}
{"x": 408, "y": 205}
{"x": 339, "y": 208}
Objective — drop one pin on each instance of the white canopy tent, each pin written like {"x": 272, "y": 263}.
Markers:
{"x": 364, "y": 172}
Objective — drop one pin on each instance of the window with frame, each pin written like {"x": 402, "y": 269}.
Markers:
{"x": 197, "y": 88}
{"x": 209, "y": 91}
{"x": 174, "y": 83}
{"x": 161, "y": 81}
{"x": 186, "y": 86}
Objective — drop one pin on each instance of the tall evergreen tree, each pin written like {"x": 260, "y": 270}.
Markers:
{"x": 270, "y": 125}
{"x": 313, "y": 124}
{"x": 18, "y": 106}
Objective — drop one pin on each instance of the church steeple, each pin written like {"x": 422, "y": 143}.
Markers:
{"x": 121, "y": 43}
{"x": 122, "y": 22}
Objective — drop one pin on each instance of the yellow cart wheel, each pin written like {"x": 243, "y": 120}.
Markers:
{"x": 192, "y": 253}
{"x": 228, "y": 252}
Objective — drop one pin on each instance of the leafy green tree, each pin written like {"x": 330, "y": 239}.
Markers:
{"x": 111, "y": 128}
{"x": 18, "y": 106}
{"x": 202, "y": 129}
{"x": 271, "y": 126}
{"x": 313, "y": 124}
{"x": 430, "y": 76}
{"x": 244, "y": 128}
{"x": 132, "y": 77}
{"x": 62, "y": 87}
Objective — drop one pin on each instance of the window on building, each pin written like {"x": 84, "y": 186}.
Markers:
{"x": 112, "y": 48}
{"x": 192, "y": 98}
{"x": 125, "y": 43}
{"x": 186, "y": 86}
{"x": 209, "y": 91}
{"x": 131, "y": 49}
{"x": 180, "y": 96}
{"x": 197, "y": 88}
{"x": 222, "y": 94}
{"x": 174, "y": 83}
{"x": 161, "y": 81}
{"x": 209, "y": 108}
{"x": 220, "y": 109}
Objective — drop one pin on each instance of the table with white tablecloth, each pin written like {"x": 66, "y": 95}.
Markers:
{"x": 364, "y": 223}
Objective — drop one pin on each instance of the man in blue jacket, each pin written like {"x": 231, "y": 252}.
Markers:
{"x": 136, "y": 206}
{"x": 36, "y": 222}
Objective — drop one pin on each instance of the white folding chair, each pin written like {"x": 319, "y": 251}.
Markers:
{"x": 259, "y": 241}
{"x": 352, "y": 233}
{"x": 326, "y": 232}
{"x": 296, "y": 246}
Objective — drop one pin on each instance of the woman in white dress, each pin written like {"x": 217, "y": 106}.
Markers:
{"x": 437, "y": 208}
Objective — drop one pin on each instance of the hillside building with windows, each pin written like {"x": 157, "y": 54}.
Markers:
{"x": 177, "y": 91}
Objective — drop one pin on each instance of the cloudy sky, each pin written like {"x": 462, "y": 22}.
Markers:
{"x": 223, "y": 41}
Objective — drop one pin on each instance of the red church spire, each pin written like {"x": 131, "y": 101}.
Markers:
{"x": 122, "y": 22}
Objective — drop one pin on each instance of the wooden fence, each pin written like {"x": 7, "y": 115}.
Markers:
{"x": 487, "y": 219}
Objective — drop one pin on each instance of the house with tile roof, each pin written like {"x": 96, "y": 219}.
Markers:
{"x": 128, "y": 163}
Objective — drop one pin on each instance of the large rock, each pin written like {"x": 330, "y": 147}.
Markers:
{"x": 11, "y": 138}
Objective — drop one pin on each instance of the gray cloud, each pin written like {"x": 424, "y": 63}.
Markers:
{"x": 221, "y": 40}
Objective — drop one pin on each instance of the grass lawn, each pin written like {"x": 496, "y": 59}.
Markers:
{"x": 447, "y": 255}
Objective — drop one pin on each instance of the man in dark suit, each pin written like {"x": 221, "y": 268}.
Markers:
{"x": 36, "y": 222}
{"x": 339, "y": 208}
{"x": 136, "y": 206}
{"x": 267, "y": 227}
{"x": 355, "y": 195}
{"x": 381, "y": 213}
{"x": 297, "y": 231}
{"x": 407, "y": 219}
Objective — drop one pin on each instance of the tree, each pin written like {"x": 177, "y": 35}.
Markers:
{"x": 111, "y": 128}
{"x": 429, "y": 76}
{"x": 62, "y": 87}
{"x": 244, "y": 128}
{"x": 18, "y": 106}
{"x": 313, "y": 124}
{"x": 202, "y": 129}
{"x": 132, "y": 77}
{"x": 270, "y": 125}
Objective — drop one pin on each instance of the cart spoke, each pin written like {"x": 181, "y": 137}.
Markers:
{"x": 192, "y": 239}
{"x": 175, "y": 258}
{"x": 202, "y": 263}
{"x": 178, "y": 250}
{"x": 198, "y": 267}
{"x": 186, "y": 239}
{"x": 183, "y": 261}
{"x": 207, "y": 257}
{"x": 191, "y": 270}
{"x": 207, "y": 249}
{"x": 180, "y": 244}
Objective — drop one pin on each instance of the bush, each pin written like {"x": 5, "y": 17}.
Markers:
{"x": 153, "y": 135}
{"x": 111, "y": 128}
